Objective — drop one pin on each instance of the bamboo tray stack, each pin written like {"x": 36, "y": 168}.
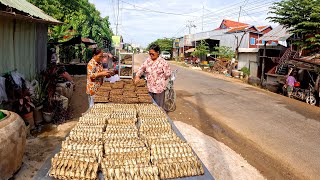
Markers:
{"x": 124, "y": 141}
{"x": 123, "y": 92}
{"x": 173, "y": 157}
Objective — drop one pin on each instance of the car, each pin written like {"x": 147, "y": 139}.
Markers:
{"x": 165, "y": 55}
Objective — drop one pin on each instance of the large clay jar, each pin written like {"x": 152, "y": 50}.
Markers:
{"x": 12, "y": 143}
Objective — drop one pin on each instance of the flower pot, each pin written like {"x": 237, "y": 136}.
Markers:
{"x": 47, "y": 116}
{"x": 37, "y": 115}
{"x": 29, "y": 118}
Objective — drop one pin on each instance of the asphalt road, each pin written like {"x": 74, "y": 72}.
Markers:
{"x": 277, "y": 135}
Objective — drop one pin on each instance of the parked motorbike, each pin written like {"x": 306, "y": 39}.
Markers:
{"x": 306, "y": 95}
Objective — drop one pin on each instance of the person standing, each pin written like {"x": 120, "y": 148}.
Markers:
{"x": 95, "y": 74}
{"x": 290, "y": 84}
{"x": 157, "y": 71}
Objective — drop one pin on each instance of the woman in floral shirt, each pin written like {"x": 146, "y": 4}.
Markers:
{"x": 157, "y": 72}
{"x": 95, "y": 74}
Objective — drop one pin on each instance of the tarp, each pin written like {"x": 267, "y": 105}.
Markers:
{"x": 190, "y": 50}
{"x": 76, "y": 40}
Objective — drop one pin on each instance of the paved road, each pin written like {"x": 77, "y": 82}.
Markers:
{"x": 275, "y": 134}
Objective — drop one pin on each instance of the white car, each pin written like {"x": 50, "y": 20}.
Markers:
{"x": 165, "y": 55}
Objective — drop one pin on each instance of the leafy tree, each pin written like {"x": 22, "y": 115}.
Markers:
{"x": 201, "y": 50}
{"x": 301, "y": 17}
{"x": 165, "y": 44}
{"x": 79, "y": 15}
{"x": 223, "y": 52}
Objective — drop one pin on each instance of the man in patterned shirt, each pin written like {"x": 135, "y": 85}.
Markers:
{"x": 157, "y": 72}
{"x": 95, "y": 74}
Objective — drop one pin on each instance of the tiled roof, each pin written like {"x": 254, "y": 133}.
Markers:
{"x": 230, "y": 24}
{"x": 261, "y": 27}
{"x": 26, "y": 7}
{"x": 237, "y": 29}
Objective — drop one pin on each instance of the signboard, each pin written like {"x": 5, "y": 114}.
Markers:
{"x": 188, "y": 40}
{"x": 176, "y": 43}
{"x": 116, "y": 42}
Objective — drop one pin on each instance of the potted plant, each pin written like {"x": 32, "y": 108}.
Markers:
{"x": 39, "y": 97}
{"x": 48, "y": 111}
{"x": 50, "y": 78}
{"x": 24, "y": 107}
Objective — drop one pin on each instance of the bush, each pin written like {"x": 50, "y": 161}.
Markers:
{"x": 246, "y": 71}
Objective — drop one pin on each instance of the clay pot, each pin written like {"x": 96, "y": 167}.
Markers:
{"x": 29, "y": 118}
{"x": 37, "y": 115}
{"x": 12, "y": 144}
{"x": 47, "y": 116}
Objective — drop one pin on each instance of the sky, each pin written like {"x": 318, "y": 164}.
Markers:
{"x": 141, "y": 22}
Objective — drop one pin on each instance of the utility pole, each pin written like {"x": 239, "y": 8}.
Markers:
{"x": 190, "y": 25}
{"x": 239, "y": 14}
{"x": 117, "y": 19}
{"x": 202, "y": 16}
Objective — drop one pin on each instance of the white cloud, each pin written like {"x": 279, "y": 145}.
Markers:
{"x": 141, "y": 26}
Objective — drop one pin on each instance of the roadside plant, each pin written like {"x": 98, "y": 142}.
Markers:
{"x": 201, "y": 50}
{"x": 246, "y": 71}
{"x": 223, "y": 52}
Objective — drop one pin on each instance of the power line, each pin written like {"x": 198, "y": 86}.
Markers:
{"x": 151, "y": 10}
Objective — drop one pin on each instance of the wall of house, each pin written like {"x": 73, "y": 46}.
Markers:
{"x": 229, "y": 40}
{"x": 249, "y": 60}
{"x": 23, "y": 46}
{"x": 17, "y": 46}
{"x": 253, "y": 40}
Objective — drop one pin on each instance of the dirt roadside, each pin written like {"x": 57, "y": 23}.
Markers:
{"x": 41, "y": 145}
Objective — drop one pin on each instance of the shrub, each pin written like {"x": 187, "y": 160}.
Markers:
{"x": 246, "y": 71}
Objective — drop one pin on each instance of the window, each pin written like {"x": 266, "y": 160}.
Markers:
{"x": 263, "y": 41}
{"x": 252, "y": 41}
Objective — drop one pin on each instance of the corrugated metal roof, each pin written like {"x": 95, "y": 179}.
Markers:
{"x": 279, "y": 33}
{"x": 24, "y": 6}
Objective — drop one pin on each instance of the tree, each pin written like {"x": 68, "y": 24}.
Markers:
{"x": 301, "y": 17}
{"x": 201, "y": 50}
{"x": 165, "y": 44}
{"x": 223, "y": 52}
{"x": 79, "y": 15}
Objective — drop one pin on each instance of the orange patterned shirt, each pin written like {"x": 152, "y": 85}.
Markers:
{"x": 93, "y": 83}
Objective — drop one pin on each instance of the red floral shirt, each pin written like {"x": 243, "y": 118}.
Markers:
{"x": 93, "y": 83}
{"x": 157, "y": 72}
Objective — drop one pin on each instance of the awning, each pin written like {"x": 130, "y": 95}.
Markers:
{"x": 76, "y": 40}
{"x": 248, "y": 50}
{"x": 190, "y": 50}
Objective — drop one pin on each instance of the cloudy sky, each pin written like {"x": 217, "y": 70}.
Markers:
{"x": 143, "y": 21}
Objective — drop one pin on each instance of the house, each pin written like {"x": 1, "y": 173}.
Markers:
{"x": 231, "y": 34}
{"x": 24, "y": 36}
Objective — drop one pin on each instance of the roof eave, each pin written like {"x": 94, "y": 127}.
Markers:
{"x": 22, "y": 17}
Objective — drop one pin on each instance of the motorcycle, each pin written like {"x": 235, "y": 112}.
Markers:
{"x": 306, "y": 95}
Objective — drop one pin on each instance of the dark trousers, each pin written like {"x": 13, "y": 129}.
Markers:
{"x": 158, "y": 98}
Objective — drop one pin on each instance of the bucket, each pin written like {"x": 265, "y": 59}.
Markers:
{"x": 47, "y": 116}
